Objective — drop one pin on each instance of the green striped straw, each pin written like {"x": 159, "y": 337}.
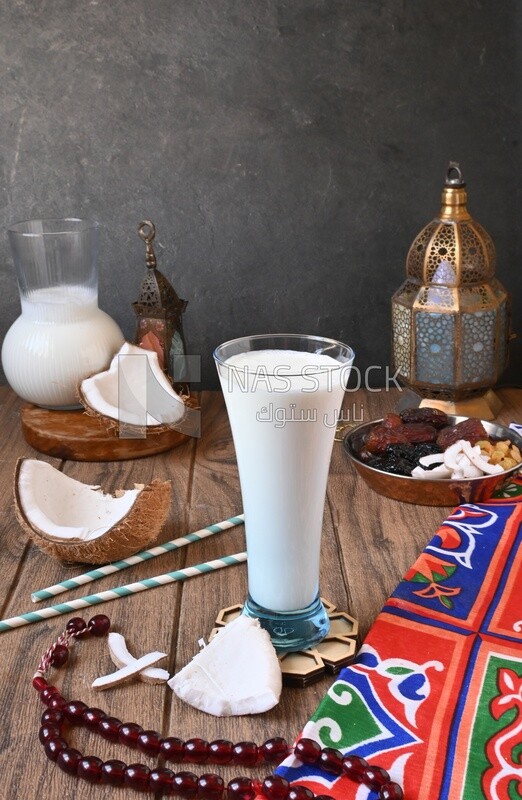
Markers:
{"x": 116, "y": 566}
{"x": 121, "y": 591}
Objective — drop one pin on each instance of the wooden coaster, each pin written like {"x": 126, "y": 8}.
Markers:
{"x": 336, "y": 651}
{"x": 78, "y": 436}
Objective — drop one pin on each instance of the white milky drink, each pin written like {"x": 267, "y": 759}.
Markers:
{"x": 283, "y": 407}
{"x": 60, "y": 338}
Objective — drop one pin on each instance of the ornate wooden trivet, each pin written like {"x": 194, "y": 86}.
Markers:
{"x": 336, "y": 651}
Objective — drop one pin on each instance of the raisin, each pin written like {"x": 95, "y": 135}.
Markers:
{"x": 472, "y": 430}
{"x": 397, "y": 466}
{"x": 432, "y": 416}
{"x": 392, "y": 421}
{"x": 380, "y": 437}
{"x": 419, "y": 432}
{"x": 401, "y": 450}
{"x": 425, "y": 449}
{"x": 377, "y": 462}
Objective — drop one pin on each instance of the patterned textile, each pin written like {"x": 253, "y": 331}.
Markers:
{"x": 435, "y": 693}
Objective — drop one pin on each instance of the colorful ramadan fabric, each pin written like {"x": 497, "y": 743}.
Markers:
{"x": 435, "y": 694}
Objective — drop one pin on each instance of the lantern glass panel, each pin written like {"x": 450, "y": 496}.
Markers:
{"x": 402, "y": 338}
{"x": 478, "y": 346}
{"x": 435, "y": 353}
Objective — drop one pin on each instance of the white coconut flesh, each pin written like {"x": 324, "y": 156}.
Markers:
{"x": 134, "y": 390}
{"x": 63, "y": 508}
{"x": 238, "y": 672}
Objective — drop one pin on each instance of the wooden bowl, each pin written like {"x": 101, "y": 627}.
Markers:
{"x": 436, "y": 492}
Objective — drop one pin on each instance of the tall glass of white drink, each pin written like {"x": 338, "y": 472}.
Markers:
{"x": 283, "y": 395}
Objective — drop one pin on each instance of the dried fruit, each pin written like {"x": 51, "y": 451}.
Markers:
{"x": 501, "y": 452}
{"x": 470, "y": 429}
{"x": 380, "y": 437}
{"x": 432, "y": 416}
{"x": 409, "y": 444}
{"x": 426, "y": 449}
{"x": 392, "y": 421}
{"x": 416, "y": 432}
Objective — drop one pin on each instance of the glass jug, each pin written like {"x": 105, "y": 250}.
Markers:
{"x": 61, "y": 336}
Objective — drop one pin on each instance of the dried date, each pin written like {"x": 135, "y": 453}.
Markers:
{"x": 380, "y": 437}
{"x": 470, "y": 429}
{"x": 416, "y": 432}
{"x": 432, "y": 416}
{"x": 392, "y": 421}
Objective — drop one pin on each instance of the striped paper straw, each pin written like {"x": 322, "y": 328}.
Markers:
{"x": 116, "y": 566}
{"x": 121, "y": 591}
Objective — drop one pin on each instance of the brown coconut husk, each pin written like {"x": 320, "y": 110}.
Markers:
{"x": 136, "y": 531}
{"x": 114, "y": 426}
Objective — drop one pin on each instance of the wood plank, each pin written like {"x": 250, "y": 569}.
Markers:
{"x": 148, "y": 623}
{"x": 368, "y": 543}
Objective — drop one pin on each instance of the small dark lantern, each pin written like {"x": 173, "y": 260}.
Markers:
{"x": 159, "y": 311}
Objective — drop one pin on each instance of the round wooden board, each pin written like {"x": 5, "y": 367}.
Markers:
{"x": 78, "y": 436}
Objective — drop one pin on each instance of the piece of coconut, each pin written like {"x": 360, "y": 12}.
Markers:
{"x": 451, "y": 454}
{"x": 480, "y": 461}
{"x": 134, "y": 391}
{"x": 427, "y": 474}
{"x": 77, "y": 522}
{"x": 432, "y": 458}
{"x": 237, "y": 673}
{"x": 120, "y": 656}
{"x": 128, "y": 671}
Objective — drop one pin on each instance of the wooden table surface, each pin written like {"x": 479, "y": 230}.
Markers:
{"x": 368, "y": 543}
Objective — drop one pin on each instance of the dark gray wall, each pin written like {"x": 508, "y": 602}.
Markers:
{"x": 287, "y": 150}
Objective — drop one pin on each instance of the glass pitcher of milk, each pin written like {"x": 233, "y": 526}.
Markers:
{"x": 283, "y": 395}
{"x": 61, "y": 336}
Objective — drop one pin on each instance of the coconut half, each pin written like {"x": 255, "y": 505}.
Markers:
{"x": 238, "y": 672}
{"x": 134, "y": 391}
{"x": 76, "y": 522}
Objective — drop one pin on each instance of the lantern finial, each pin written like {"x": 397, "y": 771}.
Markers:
{"x": 147, "y": 232}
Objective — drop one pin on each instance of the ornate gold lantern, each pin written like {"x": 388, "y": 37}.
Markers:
{"x": 450, "y": 318}
{"x": 159, "y": 311}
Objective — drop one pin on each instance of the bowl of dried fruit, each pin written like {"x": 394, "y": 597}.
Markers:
{"x": 427, "y": 457}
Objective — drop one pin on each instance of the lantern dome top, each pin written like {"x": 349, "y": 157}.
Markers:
{"x": 453, "y": 249}
{"x": 157, "y": 295}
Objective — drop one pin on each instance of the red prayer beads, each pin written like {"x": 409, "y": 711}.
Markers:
{"x": 209, "y": 786}
{"x": 59, "y": 656}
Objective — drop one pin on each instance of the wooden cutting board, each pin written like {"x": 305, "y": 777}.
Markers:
{"x": 78, "y": 436}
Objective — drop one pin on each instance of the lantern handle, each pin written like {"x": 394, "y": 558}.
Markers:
{"x": 454, "y": 175}
{"x": 147, "y": 232}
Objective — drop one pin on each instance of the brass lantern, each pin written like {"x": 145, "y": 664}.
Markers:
{"x": 450, "y": 318}
{"x": 159, "y": 311}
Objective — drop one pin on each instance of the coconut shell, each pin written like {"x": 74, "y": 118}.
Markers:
{"x": 111, "y": 423}
{"x": 136, "y": 531}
